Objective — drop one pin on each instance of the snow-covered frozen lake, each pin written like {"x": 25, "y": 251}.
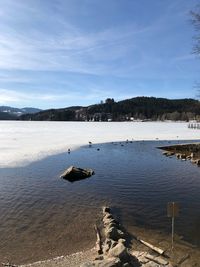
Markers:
{"x": 22, "y": 142}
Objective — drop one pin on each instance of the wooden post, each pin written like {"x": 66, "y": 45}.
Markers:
{"x": 172, "y": 233}
{"x": 172, "y": 211}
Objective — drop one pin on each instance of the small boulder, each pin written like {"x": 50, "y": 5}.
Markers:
{"x": 114, "y": 233}
{"x": 107, "y": 216}
{"x": 183, "y": 156}
{"x": 119, "y": 251}
{"x": 198, "y": 162}
{"x": 108, "y": 221}
{"x": 168, "y": 153}
{"x": 100, "y": 257}
{"x": 193, "y": 160}
{"x": 105, "y": 249}
{"x": 112, "y": 224}
{"x": 122, "y": 240}
{"x": 109, "y": 262}
{"x": 108, "y": 244}
{"x": 106, "y": 209}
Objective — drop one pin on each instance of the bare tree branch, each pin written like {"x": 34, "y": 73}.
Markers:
{"x": 195, "y": 20}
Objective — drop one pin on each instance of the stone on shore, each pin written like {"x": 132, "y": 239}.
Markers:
{"x": 107, "y": 216}
{"x": 168, "y": 153}
{"x": 109, "y": 262}
{"x": 114, "y": 233}
{"x": 115, "y": 252}
{"x": 119, "y": 251}
{"x": 184, "y": 152}
{"x": 108, "y": 221}
{"x": 106, "y": 209}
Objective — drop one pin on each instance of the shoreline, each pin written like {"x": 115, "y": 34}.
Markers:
{"x": 158, "y": 237}
{"x": 143, "y": 230}
{"x": 118, "y": 142}
{"x": 76, "y": 259}
{"x": 185, "y": 254}
{"x": 187, "y": 151}
{"x": 27, "y": 142}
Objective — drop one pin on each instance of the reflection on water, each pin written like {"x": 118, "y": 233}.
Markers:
{"x": 42, "y": 216}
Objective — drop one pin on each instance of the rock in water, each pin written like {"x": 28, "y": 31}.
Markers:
{"x": 73, "y": 174}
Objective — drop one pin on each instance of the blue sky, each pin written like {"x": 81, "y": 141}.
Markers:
{"x": 78, "y": 52}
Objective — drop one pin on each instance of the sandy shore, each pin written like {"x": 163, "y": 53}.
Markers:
{"x": 73, "y": 260}
{"x": 184, "y": 254}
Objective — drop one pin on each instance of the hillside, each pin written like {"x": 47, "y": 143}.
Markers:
{"x": 138, "y": 108}
{"x": 15, "y": 112}
{"x": 7, "y": 116}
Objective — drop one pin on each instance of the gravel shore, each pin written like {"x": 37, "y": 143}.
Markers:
{"x": 73, "y": 260}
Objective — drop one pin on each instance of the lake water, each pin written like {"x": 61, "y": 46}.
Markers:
{"x": 42, "y": 216}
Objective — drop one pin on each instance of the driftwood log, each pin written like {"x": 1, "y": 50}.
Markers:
{"x": 156, "y": 249}
{"x": 98, "y": 242}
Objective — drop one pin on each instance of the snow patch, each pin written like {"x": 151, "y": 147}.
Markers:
{"x": 22, "y": 142}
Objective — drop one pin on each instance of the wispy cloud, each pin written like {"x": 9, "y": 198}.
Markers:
{"x": 54, "y": 50}
{"x": 87, "y": 53}
{"x": 11, "y": 96}
{"x": 8, "y": 97}
{"x": 70, "y": 48}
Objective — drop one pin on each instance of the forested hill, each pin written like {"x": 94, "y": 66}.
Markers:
{"x": 138, "y": 108}
{"x": 7, "y": 116}
{"x": 11, "y": 113}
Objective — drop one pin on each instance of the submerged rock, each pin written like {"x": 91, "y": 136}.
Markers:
{"x": 168, "y": 153}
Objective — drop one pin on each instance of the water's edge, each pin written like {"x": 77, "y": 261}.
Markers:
{"x": 69, "y": 206}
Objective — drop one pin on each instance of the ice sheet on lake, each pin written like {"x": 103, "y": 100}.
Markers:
{"x": 22, "y": 142}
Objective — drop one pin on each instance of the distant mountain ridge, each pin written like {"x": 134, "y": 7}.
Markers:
{"x": 138, "y": 108}
{"x": 11, "y": 113}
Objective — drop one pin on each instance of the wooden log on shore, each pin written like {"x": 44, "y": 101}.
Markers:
{"x": 156, "y": 249}
{"x": 98, "y": 242}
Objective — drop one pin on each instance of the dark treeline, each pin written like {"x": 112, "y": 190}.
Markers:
{"x": 10, "y": 113}
{"x": 7, "y": 116}
{"x": 63, "y": 114}
{"x": 138, "y": 108}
